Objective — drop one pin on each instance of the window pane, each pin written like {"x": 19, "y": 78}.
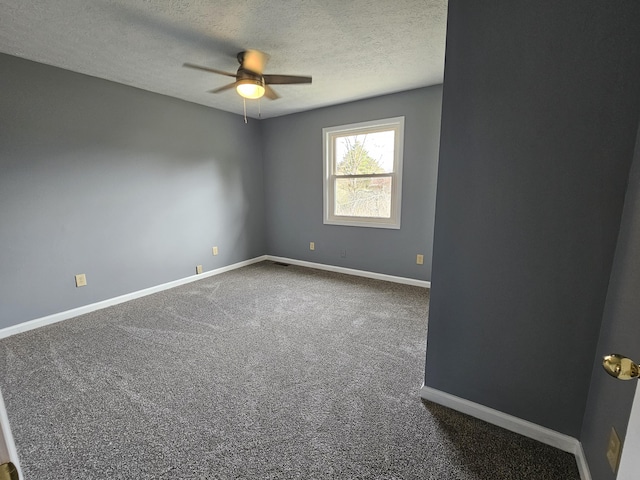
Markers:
{"x": 364, "y": 154}
{"x": 363, "y": 197}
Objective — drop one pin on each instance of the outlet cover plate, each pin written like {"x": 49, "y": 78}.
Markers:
{"x": 614, "y": 449}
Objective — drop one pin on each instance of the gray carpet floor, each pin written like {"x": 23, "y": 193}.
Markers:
{"x": 264, "y": 372}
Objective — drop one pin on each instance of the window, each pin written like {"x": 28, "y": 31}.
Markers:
{"x": 363, "y": 173}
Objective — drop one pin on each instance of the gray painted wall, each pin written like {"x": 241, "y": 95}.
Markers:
{"x": 293, "y": 186}
{"x": 129, "y": 187}
{"x": 610, "y": 400}
{"x": 540, "y": 111}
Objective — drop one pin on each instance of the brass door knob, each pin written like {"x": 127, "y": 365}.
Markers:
{"x": 8, "y": 471}
{"x": 620, "y": 367}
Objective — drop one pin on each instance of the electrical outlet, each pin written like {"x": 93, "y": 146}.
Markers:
{"x": 614, "y": 448}
{"x": 419, "y": 259}
{"x": 312, "y": 245}
{"x": 198, "y": 269}
{"x": 215, "y": 250}
{"x": 81, "y": 280}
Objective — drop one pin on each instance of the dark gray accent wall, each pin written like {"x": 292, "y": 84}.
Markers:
{"x": 540, "y": 111}
{"x": 293, "y": 187}
{"x": 610, "y": 400}
{"x": 129, "y": 187}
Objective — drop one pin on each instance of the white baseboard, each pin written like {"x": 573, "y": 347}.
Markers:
{"x": 583, "y": 466}
{"x": 514, "y": 424}
{"x": 351, "y": 271}
{"x": 58, "y": 317}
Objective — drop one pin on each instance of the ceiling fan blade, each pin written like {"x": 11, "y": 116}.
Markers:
{"x": 254, "y": 60}
{"x": 207, "y": 69}
{"x": 270, "y": 93}
{"x": 222, "y": 89}
{"x": 285, "y": 79}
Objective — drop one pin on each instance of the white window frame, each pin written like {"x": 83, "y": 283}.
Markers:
{"x": 329, "y": 180}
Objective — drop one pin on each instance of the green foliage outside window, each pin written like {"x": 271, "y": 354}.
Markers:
{"x": 362, "y": 196}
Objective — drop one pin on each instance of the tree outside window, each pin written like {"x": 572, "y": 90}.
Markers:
{"x": 361, "y": 196}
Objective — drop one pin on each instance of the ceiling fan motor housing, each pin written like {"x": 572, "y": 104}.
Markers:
{"x": 244, "y": 74}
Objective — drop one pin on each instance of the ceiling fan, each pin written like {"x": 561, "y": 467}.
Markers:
{"x": 251, "y": 82}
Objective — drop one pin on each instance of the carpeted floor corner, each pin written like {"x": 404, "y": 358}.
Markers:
{"x": 266, "y": 372}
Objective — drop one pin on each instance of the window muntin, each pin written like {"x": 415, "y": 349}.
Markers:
{"x": 363, "y": 173}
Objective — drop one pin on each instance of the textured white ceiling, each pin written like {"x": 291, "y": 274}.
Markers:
{"x": 353, "y": 49}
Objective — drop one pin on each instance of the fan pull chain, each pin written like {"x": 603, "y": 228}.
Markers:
{"x": 259, "y": 110}
{"x": 244, "y": 104}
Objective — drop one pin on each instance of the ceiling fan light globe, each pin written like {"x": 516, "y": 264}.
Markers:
{"x": 251, "y": 89}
